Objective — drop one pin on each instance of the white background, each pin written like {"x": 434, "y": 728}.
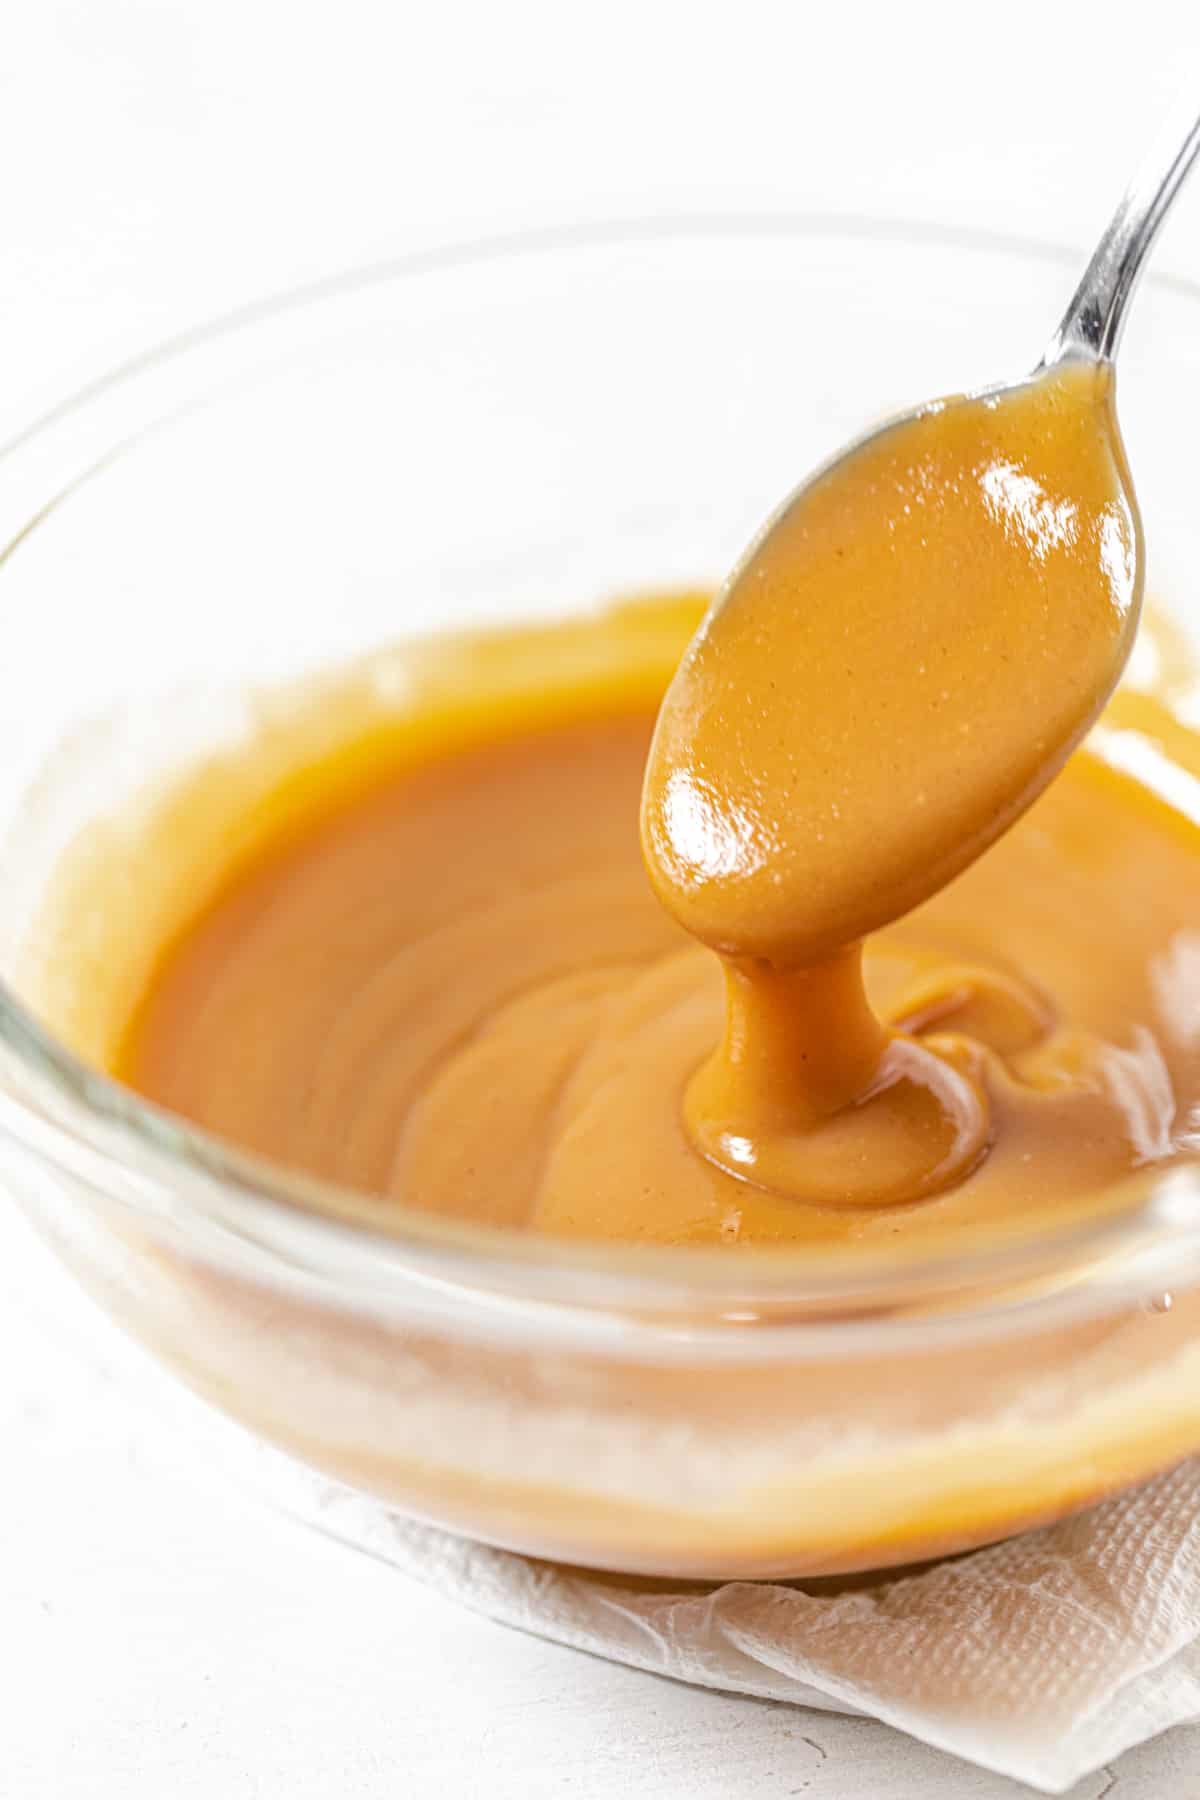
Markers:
{"x": 160, "y": 160}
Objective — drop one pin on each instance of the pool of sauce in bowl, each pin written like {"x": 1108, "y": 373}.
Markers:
{"x": 438, "y": 972}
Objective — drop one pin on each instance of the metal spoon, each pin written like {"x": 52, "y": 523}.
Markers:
{"x": 881, "y": 689}
{"x": 1092, "y": 324}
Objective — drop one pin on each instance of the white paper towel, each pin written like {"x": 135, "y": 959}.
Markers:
{"x": 1041, "y": 1658}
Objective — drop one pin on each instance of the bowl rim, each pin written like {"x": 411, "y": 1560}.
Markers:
{"x": 243, "y": 1211}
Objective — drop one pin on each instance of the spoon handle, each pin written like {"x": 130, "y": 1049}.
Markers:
{"x": 1091, "y": 325}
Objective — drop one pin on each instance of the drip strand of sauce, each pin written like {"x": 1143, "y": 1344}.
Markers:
{"x": 806, "y": 1075}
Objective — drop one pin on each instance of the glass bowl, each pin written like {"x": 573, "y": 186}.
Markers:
{"x": 519, "y": 430}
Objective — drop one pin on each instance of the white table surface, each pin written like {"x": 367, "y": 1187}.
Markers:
{"x": 161, "y": 1632}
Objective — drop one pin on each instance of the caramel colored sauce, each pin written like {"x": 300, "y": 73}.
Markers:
{"x": 436, "y": 971}
{"x": 897, "y": 670}
{"x": 400, "y": 934}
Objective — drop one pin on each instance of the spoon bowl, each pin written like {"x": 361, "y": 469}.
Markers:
{"x": 897, "y": 668}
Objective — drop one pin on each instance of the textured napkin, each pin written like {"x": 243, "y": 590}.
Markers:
{"x": 1041, "y": 1658}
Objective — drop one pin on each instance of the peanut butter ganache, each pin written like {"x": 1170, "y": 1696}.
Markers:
{"x": 876, "y": 972}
